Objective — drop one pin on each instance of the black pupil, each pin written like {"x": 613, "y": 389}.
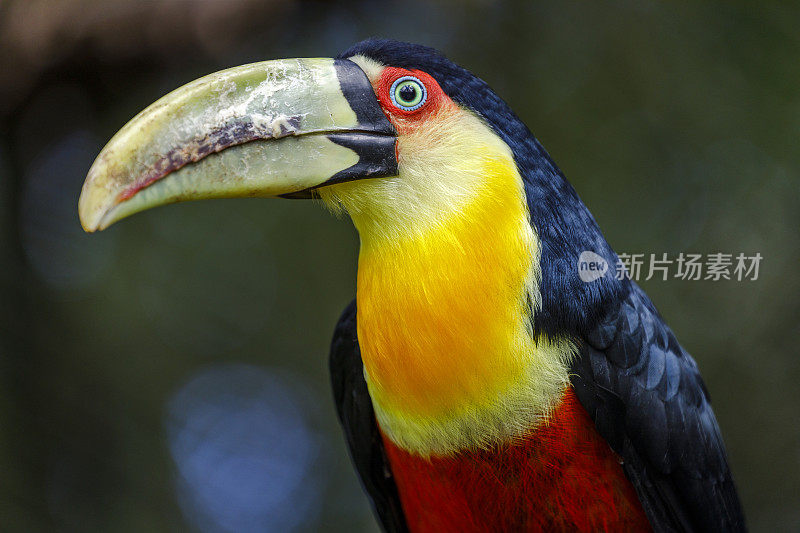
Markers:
{"x": 408, "y": 93}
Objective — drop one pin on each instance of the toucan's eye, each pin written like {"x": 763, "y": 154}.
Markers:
{"x": 408, "y": 93}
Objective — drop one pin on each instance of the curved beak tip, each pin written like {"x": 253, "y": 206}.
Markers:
{"x": 90, "y": 218}
{"x": 93, "y": 204}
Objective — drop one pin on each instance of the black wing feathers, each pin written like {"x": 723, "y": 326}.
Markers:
{"x": 646, "y": 397}
{"x": 354, "y": 407}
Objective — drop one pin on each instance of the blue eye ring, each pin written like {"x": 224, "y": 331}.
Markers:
{"x": 408, "y": 93}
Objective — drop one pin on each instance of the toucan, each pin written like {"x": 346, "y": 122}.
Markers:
{"x": 482, "y": 383}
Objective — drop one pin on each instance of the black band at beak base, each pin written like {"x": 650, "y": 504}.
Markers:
{"x": 358, "y": 92}
{"x": 375, "y": 139}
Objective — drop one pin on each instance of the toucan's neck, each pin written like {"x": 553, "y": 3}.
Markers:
{"x": 444, "y": 315}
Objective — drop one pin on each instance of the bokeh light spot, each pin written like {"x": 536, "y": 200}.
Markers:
{"x": 244, "y": 450}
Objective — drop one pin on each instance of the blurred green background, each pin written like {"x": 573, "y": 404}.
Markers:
{"x": 171, "y": 372}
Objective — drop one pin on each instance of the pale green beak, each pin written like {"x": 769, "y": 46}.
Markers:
{"x": 276, "y": 128}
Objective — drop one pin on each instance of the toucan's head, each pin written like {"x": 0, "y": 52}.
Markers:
{"x": 381, "y": 139}
{"x": 394, "y": 133}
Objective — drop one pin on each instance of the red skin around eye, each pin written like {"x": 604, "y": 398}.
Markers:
{"x": 406, "y": 121}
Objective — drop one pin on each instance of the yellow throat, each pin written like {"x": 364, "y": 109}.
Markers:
{"x": 447, "y": 284}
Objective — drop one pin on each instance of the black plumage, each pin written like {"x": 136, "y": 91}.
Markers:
{"x": 646, "y": 397}
{"x": 642, "y": 390}
{"x": 354, "y": 408}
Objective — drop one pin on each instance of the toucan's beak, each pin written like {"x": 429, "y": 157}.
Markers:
{"x": 276, "y": 128}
